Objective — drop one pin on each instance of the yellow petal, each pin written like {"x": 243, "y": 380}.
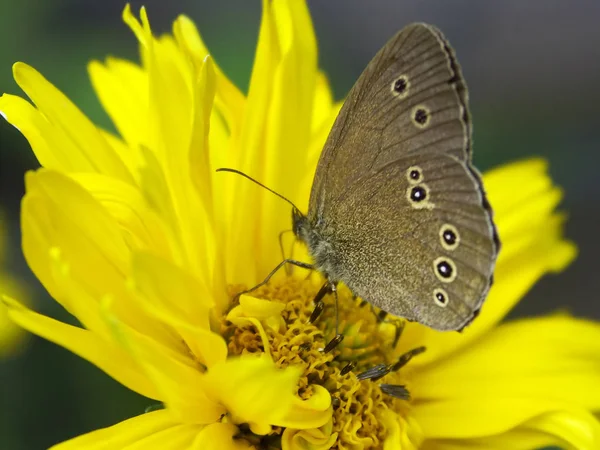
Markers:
{"x": 319, "y": 136}
{"x": 253, "y": 389}
{"x": 253, "y": 309}
{"x": 60, "y": 217}
{"x": 519, "y": 372}
{"x": 176, "y": 375}
{"x": 104, "y": 354}
{"x": 394, "y": 433}
{"x": 529, "y": 175}
{"x": 47, "y": 260}
{"x": 80, "y": 145}
{"x": 199, "y": 159}
{"x": 474, "y": 418}
{"x": 572, "y": 430}
{"x": 155, "y": 189}
{"x": 249, "y": 159}
{"x": 13, "y": 339}
{"x": 158, "y": 196}
{"x": 178, "y": 299}
{"x": 236, "y": 317}
{"x": 521, "y": 212}
{"x": 289, "y": 123}
{"x": 323, "y": 105}
{"x": 141, "y": 227}
{"x": 201, "y": 174}
{"x": 229, "y": 101}
{"x": 180, "y": 102}
{"x": 172, "y": 288}
{"x": 141, "y": 30}
{"x": 259, "y": 308}
{"x": 553, "y": 357}
{"x": 128, "y": 432}
{"x": 401, "y": 433}
{"x": 49, "y": 146}
{"x": 313, "y": 412}
{"x": 122, "y": 88}
{"x": 130, "y": 155}
{"x": 179, "y": 437}
{"x": 220, "y": 436}
{"x": 575, "y": 430}
{"x": 310, "y": 439}
{"x": 71, "y": 217}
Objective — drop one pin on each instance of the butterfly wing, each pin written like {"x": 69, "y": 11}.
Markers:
{"x": 429, "y": 257}
{"x": 373, "y": 110}
{"x": 405, "y": 131}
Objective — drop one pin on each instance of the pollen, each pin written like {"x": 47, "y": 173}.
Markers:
{"x": 361, "y": 406}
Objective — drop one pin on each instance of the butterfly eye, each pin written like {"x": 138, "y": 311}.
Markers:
{"x": 449, "y": 237}
{"x": 444, "y": 269}
{"x": 400, "y": 86}
{"x": 440, "y": 297}
{"x": 421, "y": 116}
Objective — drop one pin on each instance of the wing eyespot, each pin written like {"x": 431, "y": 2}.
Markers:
{"x": 418, "y": 196}
{"x": 414, "y": 174}
{"x": 420, "y": 116}
{"x": 449, "y": 237}
{"x": 444, "y": 269}
{"x": 440, "y": 297}
{"x": 400, "y": 87}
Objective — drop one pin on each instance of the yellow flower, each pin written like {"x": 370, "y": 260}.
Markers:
{"x": 140, "y": 239}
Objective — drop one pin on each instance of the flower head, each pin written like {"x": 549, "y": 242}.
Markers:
{"x": 140, "y": 239}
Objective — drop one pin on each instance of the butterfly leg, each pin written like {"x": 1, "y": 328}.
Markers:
{"x": 377, "y": 372}
{"x": 273, "y": 272}
{"x": 319, "y": 303}
{"x": 287, "y": 269}
{"x": 327, "y": 288}
{"x": 338, "y": 337}
{"x": 380, "y": 370}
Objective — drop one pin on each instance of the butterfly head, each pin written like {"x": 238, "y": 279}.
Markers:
{"x": 300, "y": 225}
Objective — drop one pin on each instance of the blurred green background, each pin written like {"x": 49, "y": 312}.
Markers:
{"x": 533, "y": 70}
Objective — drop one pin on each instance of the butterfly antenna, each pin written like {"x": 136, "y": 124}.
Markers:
{"x": 225, "y": 169}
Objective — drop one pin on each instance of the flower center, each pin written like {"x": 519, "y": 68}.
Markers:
{"x": 360, "y": 373}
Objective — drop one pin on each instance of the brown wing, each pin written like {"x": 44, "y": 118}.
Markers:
{"x": 388, "y": 245}
{"x": 407, "y": 113}
{"x": 373, "y": 112}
